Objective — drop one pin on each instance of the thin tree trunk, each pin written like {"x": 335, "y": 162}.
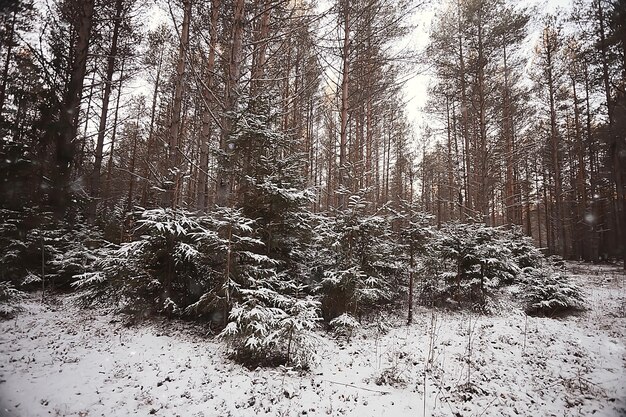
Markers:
{"x": 108, "y": 84}
{"x": 205, "y": 135}
{"x": 7, "y": 64}
{"x": 594, "y": 218}
{"x": 560, "y": 242}
{"x": 81, "y": 156}
{"x": 262, "y": 34}
{"x": 464, "y": 114}
{"x": 581, "y": 206}
{"x": 107, "y": 191}
{"x": 225, "y": 178}
{"x": 411, "y": 266}
{"x": 345, "y": 80}
{"x": 508, "y": 140}
{"x": 449, "y": 165}
{"x": 133, "y": 158}
{"x": 147, "y": 173}
{"x": 483, "y": 192}
{"x": 174, "y": 140}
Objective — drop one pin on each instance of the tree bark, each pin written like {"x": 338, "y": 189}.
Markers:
{"x": 345, "y": 83}
{"x": 202, "y": 199}
{"x": 225, "y": 180}
{"x": 107, "y": 190}
{"x": 147, "y": 173}
{"x": 7, "y": 64}
{"x": 174, "y": 139}
{"x": 108, "y": 84}
{"x": 69, "y": 110}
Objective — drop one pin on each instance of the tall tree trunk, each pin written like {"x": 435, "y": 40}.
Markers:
{"x": 225, "y": 180}
{"x": 560, "y": 243}
{"x": 369, "y": 144}
{"x": 465, "y": 124}
{"x": 345, "y": 83}
{"x": 133, "y": 158}
{"x": 449, "y": 164}
{"x": 147, "y": 172}
{"x": 108, "y": 84}
{"x": 547, "y": 213}
{"x": 526, "y": 188}
{"x": 581, "y": 206}
{"x": 261, "y": 40}
{"x": 617, "y": 148}
{"x": 69, "y": 111}
{"x": 202, "y": 201}
{"x": 107, "y": 190}
{"x": 174, "y": 141}
{"x": 594, "y": 218}
{"x": 538, "y": 204}
{"x": 81, "y": 156}
{"x": 7, "y": 64}
{"x": 483, "y": 191}
{"x": 508, "y": 141}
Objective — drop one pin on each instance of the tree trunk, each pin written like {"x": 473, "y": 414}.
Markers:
{"x": 7, "y": 64}
{"x": 225, "y": 178}
{"x": 345, "y": 83}
{"x": 70, "y": 108}
{"x": 508, "y": 149}
{"x": 174, "y": 149}
{"x": 616, "y": 145}
{"x": 133, "y": 158}
{"x": 107, "y": 191}
{"x": 464, "y": 114}
{"x": 147, "y": 173}
{"x": 202, "y": 201}
{"x": 483, "y": 191}
{"x": 108, "y": 84}
{"x": 560, "y": 243}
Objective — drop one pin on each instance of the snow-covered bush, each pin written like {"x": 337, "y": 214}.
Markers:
{"x": 524, "y": 252}
{"x": 12, "y": 258}
{"x": 270, "y": 328}
{"x": 31, "y": 237}
{"x": 163, "y": 270}
{"x": 10, "y": 299}
{"x": 345, "y": 325}
{"x": 209, "y": 266}
{"x": 234, "y": 258}
{"x": 548, "y": 292}
{"x": 356, "y": 261}
{"x": 466, "y": 263}
{"x": 116, "y": 279}
{"x": 75, "y": 252}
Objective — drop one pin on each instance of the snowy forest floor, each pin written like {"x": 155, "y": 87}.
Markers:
{"x": 56, "y": 359}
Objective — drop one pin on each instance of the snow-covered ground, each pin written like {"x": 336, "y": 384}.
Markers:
{"x": 58, "y": 360}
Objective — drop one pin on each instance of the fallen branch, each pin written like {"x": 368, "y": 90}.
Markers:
{"x": 354, "y": 386}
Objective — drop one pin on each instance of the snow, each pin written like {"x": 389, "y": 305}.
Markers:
{"x": 56, "y": 359}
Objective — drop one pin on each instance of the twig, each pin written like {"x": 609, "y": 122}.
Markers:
{"x": 525, "y": 331}
{"x": 488, "y": 405}
{"x": 354, "y": 386}
{"x": 43, "y": 270}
